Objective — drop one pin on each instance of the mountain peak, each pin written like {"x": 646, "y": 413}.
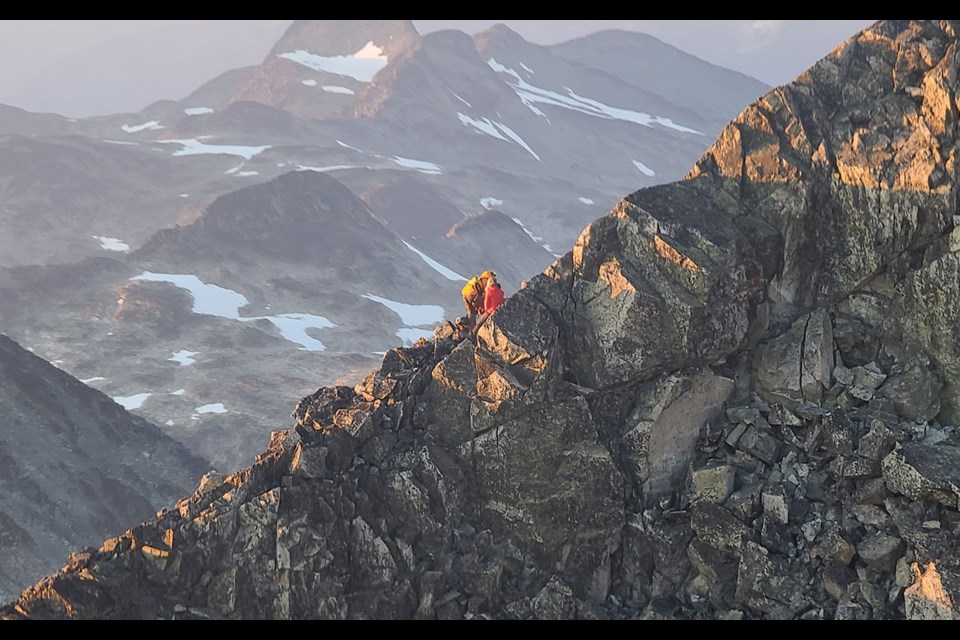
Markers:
{"x": 342, "y": 56}
{"x": 346, "y": 37}
{"x": 307, "y": 211}
{"x": 500, "y": 34}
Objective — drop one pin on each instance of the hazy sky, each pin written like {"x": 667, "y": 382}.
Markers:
{"x": 81, "y": 68}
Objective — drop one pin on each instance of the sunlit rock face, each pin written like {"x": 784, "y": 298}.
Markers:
{"x": 660, "y": 284}
{"x": 733, "y": 399}
{"x": 853, "y": 167}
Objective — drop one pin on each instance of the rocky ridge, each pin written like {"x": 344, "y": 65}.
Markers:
{"x": 733, "y": 399}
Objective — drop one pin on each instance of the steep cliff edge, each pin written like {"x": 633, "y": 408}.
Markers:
{"x": 734, "y": 398}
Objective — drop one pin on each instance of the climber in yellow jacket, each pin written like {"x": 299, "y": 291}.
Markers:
{"x": 474, "y": 293}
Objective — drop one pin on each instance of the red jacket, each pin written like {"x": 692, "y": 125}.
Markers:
{"x": 493, "y": 298}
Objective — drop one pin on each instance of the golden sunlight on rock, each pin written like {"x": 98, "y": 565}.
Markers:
{"x": 612, "y": 274}
{"x": 674, "y": 256}
{"x": 926, "y": 598}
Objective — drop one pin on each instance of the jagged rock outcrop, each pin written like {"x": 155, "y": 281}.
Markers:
{"x": 853, "y": 167}
{"x": 734, "y": 399}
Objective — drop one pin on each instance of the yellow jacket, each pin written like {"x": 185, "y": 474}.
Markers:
{"x": 475, "y": 289}
{"x": 472, "y": 289}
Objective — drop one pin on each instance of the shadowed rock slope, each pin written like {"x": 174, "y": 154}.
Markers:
{"x": 733, "y": 399}
{"x": 74, "y": 467}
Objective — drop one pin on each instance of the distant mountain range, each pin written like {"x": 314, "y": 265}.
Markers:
{"x": 493, "y": 118}
{"x": 332, "y": 201}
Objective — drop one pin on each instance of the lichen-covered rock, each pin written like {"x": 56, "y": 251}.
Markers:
{"x": 797, "y": 366}
{"x": 923, "y": 472}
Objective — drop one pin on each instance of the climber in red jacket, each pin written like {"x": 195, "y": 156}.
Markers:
{"x": 492, "y": 299}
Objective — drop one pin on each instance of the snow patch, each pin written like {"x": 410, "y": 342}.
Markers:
{"x": 536, "y": 239}
{"x": 332, "y": 88}
{"x": 193, "y": 147}
{"x": 153, "y": 125}
{"x": 346, "y": 146}
{"x": 112, "y": 244}
{"x": 483, "y": 126}
{"x": 336, "y": 167}
{"x": 185, "y": 358}
{"x": 516, "y": 138}
{"x": 530, "y": 95}
{"x": 644, "y": 169}
{"x": 197, "y": 111}
{"x": 362, "y": 66}
{"x": 436, "y": 266}
{"x": 217, "y": 407}
{"x": 293, "y": 327}
{"x": 585, "y": 200}
{"x": 496, "y": 130}
{"x": 209, "y": 299}
{"x": 236, "y": 171}
{"x": 490, "y": 203}
{"x": 131, "y": 403}
{"x": 412, "y": 315}
{"x": 423, "y": 167}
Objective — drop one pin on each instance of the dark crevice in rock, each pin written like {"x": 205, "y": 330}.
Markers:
{"x": 803, "y": 356}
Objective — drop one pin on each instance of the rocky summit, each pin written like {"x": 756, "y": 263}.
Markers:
{"x": 735, "y": 398}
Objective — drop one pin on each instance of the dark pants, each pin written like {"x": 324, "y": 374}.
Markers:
{"x": 471, "y": 310}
